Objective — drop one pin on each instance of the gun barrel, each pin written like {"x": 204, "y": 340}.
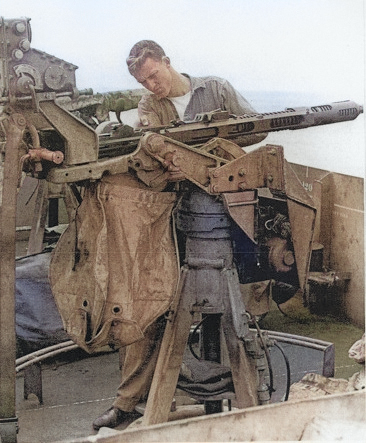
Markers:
{"x": 332, "y": 113}
{"x": 220, "y": 124}
{"x": 290, "y": 118}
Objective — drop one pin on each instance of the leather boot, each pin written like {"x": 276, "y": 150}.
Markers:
{"x": 114, "y": 417}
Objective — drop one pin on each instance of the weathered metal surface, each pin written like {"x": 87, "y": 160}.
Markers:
{"x": 260, "y": 168}
{"x": 177, "y": 160}
{"x": 94, "y": 171}
{"x": 15, "y": 128}
{"x": 302, "y": 220}
{"x": 81, "y": 141}
{"x": 223, "y": 148}
{"x": 242, "y": 206}
{"x": 98, "y": 106}
{"x": 291, "y": 118}
{"x": 339, "y": 200}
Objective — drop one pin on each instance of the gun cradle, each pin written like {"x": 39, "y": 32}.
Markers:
{"x": 159, "y": 160}
{"x": 264, "y": 167}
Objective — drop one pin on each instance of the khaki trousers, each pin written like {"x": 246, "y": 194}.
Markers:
{"x": 138, "y": 367}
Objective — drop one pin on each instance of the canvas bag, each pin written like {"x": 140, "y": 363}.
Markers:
{"x": 115, "y": 269}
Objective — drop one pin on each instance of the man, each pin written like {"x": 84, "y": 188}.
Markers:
{"x": 174, "y": 96}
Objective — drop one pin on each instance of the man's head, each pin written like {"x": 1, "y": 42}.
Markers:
{"x": 141, "y": 51}
{"x": 150, "y": 66}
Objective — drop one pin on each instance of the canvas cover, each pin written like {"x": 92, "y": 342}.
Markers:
{"x": 114, "y": 270}
{"x": 37, "y": 319}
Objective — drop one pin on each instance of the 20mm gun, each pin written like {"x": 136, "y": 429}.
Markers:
{"x": 116, "y": 155}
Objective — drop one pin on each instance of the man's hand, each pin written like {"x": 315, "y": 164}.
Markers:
{"x": 144, "y": 121}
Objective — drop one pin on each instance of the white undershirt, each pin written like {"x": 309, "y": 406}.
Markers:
{"x": 181, "y": 103}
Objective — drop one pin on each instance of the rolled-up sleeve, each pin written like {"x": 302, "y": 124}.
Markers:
{"x": 156, "y": 112}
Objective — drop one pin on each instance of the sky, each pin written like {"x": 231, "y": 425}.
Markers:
{"x": 312, "y": 46}
{"x": 311, "y": 52}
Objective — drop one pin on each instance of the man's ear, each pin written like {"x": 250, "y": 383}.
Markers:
{"x": 166, "y": 60}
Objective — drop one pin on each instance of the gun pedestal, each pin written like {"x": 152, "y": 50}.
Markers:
{"x": 209, "y": 285}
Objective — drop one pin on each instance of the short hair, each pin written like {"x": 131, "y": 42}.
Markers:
{"x": 141, "y": 51}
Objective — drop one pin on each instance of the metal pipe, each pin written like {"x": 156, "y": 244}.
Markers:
{"x": 8, "y": 421}
{"x": 292, "y": 339}
{"x": 42, "y": 351}
{"x": 44, "y": 356}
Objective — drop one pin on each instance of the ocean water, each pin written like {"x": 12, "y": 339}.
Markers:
{"x": 338, "y": 147}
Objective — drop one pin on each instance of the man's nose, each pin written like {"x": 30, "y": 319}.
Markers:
{"x": 150, "y": 84}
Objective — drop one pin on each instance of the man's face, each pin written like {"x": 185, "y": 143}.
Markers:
{"x": 155, "y": 76}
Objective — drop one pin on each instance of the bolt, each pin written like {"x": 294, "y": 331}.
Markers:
{"x": 241, "y": 172}
{"x": 242, "y": 186}
{"x": 270, "y": 178}
{"x": 176, "y": 160}
{"x": 20, "y": 120}
{"x": 17, "y": 54}
{"x": 57, "y": 157}
{"x": 289, "y": 258}
{"x": 216, "y": 173}
{"x": 24, "y": 45}
{"x": 20, "y": 27}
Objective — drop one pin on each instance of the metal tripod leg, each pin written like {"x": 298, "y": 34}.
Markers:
{"x": 171, "y": 356}
{"x": 209, "y": 285}
{"x": 170, "y": 360}
{"x": 8, "y": 420}
{"x": 243, "y": 369}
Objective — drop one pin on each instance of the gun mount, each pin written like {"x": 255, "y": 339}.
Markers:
{"x": 259, "y": 190}
{"x": 62, "y": 148}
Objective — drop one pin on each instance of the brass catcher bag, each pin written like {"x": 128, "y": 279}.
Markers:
{"x": 114, "y": 270}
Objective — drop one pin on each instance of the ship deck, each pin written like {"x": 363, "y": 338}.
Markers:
{"x": 78, "y": 387}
